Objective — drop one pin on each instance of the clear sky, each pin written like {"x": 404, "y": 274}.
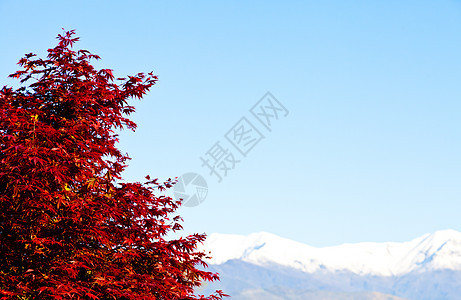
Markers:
{"x": 370, "y": 149}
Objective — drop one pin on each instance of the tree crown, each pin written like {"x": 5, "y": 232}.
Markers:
{"x": 67, "y": 229}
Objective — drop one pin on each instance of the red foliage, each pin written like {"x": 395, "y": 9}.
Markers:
{"x": 67, "y": 229}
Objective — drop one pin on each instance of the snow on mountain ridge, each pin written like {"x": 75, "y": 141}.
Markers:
{"x": 440, "y": 250}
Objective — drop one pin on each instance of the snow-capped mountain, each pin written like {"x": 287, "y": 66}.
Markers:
{"x": 428, "y": 267}
{"x": 440, "y": 250}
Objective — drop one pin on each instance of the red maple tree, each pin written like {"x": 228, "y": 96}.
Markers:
{"x": 68, "y": 230}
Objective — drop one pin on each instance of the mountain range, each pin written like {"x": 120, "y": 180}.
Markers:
{"x": 265, "y": 266}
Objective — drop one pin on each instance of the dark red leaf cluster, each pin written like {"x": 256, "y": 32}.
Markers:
{"x": 68, "y": 230}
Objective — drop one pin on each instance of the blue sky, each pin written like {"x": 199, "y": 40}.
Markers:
{"x": 370, "y": 149}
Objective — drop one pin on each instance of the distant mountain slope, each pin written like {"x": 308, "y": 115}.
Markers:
{"x": 265, "y": 266}
{"x": 312, "y": 295}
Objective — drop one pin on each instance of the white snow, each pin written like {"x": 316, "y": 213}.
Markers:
{"x": 440, "y": 250}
